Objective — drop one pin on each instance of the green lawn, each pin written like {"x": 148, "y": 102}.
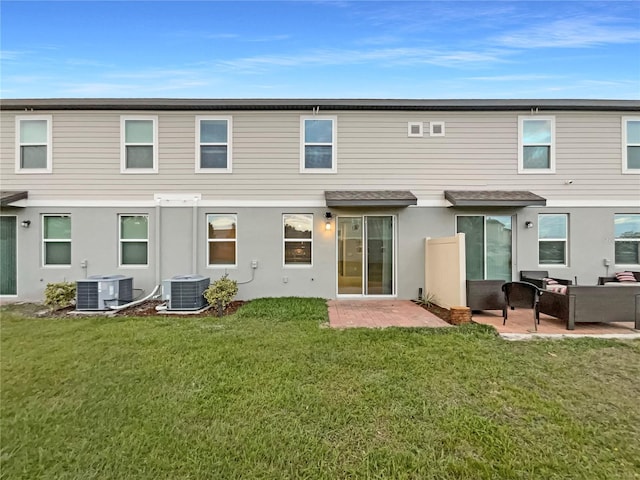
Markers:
{"x": 270, "y": 392}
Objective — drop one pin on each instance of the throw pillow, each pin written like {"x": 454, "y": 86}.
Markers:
{"x": 550, "y": 281}
{"x": 625, "y": 277}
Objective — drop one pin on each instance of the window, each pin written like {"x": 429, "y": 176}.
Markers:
{"x": 552, "y": 239}
{"x": 318, "y": 146}
{"x": 56, "y": 240}
{"x": 222, "y": 240}
{"x": 298, "y": 239}
{"x": 415, "y": 129}
{"x": 536, "y": 151}
{"x": 627, "y": 231}
{"x": 213, "y": 148}
{"x": 134, "y": 240}
{"x": 33, "y": 144}
{"x": 139, "y": 149}
{"x": 631, "y": 145}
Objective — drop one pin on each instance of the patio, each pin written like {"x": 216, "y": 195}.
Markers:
{"x": 405, "y": 313}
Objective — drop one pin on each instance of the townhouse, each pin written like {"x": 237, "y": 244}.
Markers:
{"x": 314, "y": 197}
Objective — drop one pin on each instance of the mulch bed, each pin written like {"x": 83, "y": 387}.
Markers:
{"x": 440, "y": 312}
{"x": 145, "y": 309}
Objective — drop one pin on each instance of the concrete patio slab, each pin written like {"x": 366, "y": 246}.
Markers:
{"x": 368, "y": 313}
{"x": 380, "y": 314}
{"x": 520, "y": 324}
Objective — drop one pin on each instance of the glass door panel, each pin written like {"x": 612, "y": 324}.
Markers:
{"x": 473, "y": 229}
{"x": 379, "y": 255}
{"x": 488, "y": 246}
{"x": 499, "y": 248}
{"x": 350, "y": 255}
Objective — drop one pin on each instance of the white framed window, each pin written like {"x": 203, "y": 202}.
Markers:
{"x": 134, "y": 240}
{"x": 222, "y": 240}
{"x": 631, "y": 145}
{"x": 56, "y": 240}
{"x": 33, "y": 144}
{"x": 553, "y": 235}
{"x": 415, "y": 129}
{"x": 436, "y": 129}
{"x": 298, "y": 239}
{"x": 318, "y": 144}
{"x": 138, "y": 144}
{"x": 627, "y": 238}
{"x": 536, "y": 144}
{"x": 213, "y": 144}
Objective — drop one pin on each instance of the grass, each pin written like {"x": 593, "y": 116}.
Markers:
{"x": 268, "y": 393}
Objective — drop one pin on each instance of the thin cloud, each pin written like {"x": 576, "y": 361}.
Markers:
{"x": 382, "y": 57}
{"x": 513, "y": 78}
{"x": 576, "y": 32}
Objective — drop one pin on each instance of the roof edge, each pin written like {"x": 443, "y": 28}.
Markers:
{"x": 173, "y": 104}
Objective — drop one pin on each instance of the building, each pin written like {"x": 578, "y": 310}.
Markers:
{"x": 323, "y": 198}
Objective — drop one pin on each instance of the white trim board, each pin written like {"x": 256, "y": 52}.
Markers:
{"x": 180, "y": 200}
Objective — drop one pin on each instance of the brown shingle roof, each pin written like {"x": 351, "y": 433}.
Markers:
{"x": 7, "y": 197}
{"x": 493, "y": 198}
{"x": 370, "y": 198}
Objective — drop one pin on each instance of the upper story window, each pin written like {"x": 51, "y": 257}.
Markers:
{"x": 134, "y": 240}
{"x": 627, "y": 240}
{"x": 139, "y": 144}
{"x": 222, "y": 240}
{"x": 298, "y": 239}
{"x": 552, "y": 239}
{"x": 631, "y": 145}
{"x": 56, "y": 240}
{"x": 318, "y": 144}
{"x": 33, "y": 144}
{"x": 213, "y": 144}
{"x": 536, "y": 144}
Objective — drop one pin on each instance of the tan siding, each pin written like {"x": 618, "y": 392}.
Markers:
{"x": 374, "y": 151}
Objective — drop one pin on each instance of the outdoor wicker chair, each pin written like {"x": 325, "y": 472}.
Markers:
{"x": 521, "y": 294}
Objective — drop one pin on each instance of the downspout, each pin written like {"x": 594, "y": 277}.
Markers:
{"x": 194, "y": 236}
{"x": 158, "y": 243}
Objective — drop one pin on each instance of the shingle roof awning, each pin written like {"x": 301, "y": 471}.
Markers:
{"x": 7, "y": 197}
{"x": 370, "y": 198}
{"x": 493, "y": 198}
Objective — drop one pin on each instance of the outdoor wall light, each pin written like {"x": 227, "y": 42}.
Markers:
{"x": 328, "y": 216}
{"x": 25, "y": 223}
{"x": 528, "y": 224}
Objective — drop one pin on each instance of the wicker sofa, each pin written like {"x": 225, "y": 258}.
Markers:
{"x": 604, "y": 280}
{"x": 485, "y": 295}
{"x": 539, "y": 278}
{"x": 593, "y": 304}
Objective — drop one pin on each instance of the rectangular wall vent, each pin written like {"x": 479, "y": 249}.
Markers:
{"x": 415, "y": 129}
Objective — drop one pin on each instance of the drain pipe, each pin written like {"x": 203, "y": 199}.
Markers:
{"x": 158, "y": 242}
{"x": 137, "y": 302}
{"x": 194, "y": 236}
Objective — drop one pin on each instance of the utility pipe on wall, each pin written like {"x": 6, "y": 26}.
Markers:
{"x": 158, "y": 243}
{"x": 194, "y": 236}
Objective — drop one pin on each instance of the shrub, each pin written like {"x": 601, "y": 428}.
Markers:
{"x": 428, "y": 300}
{"x": 221, "y": 292}
{"x": 60, "y": 294}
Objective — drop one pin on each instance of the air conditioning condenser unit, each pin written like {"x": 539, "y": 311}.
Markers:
{"x": 100, "y": 292}
{"x": 185, "y": 292}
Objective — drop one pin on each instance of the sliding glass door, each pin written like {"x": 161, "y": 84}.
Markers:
{"x": 488, "y": 246}
{"x": 366, "y": 251}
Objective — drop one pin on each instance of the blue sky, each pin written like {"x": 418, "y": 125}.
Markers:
{"x": 320, "y": 49}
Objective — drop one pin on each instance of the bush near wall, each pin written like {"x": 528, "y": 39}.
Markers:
{"x": 60, "y": 294}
